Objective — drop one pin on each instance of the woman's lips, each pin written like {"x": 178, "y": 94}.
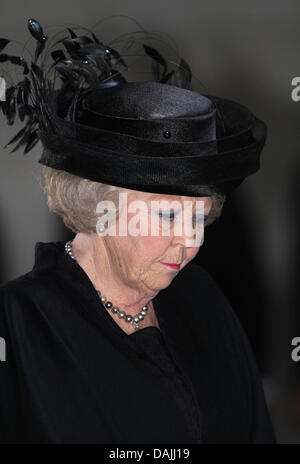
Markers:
{"x": 172, "y": 266}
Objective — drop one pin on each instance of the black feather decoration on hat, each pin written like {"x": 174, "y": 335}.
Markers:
{"x": 82, "y": 63}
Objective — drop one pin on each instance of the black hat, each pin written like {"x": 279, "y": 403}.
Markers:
{"x": 155, "y": 136}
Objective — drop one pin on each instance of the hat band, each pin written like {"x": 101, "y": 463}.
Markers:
{"x": 185, "y": 130}
{"x": 127, "y": 144}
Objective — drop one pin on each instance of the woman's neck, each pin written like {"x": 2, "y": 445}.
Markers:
{"x": 90, "y": 253}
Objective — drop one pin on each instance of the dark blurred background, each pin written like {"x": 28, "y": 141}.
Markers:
{"x": 241, "y": 50}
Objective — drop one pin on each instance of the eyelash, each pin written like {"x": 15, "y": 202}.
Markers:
{"x": 172, "y": 216}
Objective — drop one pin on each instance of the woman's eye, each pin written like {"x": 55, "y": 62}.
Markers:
{"x": 171, "y": 216}
{"x": 166, "y": 215}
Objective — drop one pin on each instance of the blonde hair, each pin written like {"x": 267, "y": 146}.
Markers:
{"x": 75, "y": 199}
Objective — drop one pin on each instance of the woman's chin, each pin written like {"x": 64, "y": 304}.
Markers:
{"x": 166, "y": 280}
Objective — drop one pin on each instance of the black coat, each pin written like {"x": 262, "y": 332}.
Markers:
{"x": 72, "y": 375}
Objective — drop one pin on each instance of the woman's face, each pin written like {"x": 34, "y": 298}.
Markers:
{"x": 138, "y": 259}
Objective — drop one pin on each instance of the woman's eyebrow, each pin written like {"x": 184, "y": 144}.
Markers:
{"x": 162, "y": 198}
{"x": 165, "y": 197}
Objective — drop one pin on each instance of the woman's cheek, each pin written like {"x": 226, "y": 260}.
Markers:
{"x": 155, "y": 246}
{"x": 190, "y": 253}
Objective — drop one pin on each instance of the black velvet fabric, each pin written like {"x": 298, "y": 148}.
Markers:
{"x": 150, "y": 134}
{"x": 72, "y": 375}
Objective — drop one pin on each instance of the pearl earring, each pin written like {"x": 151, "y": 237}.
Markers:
{"x": 101, "y": 227}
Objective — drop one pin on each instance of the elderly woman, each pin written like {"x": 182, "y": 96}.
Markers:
{"x": 117, "y": 336}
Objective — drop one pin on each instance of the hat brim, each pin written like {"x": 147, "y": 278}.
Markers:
{"x": 191, "y": 169}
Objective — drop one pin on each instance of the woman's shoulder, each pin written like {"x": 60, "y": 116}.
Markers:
{"x": 20, "y": 285}
{"x": 45, "y": 259}
{"x": 12, "y": 293}
{"x": 21, "y": 293}
{"x": 14, "y": 287}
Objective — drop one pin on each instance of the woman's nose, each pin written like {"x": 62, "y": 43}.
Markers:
{"x": 188, "y": 235}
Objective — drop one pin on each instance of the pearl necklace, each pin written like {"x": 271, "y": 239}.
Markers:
{"x": 134, "y": 320}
